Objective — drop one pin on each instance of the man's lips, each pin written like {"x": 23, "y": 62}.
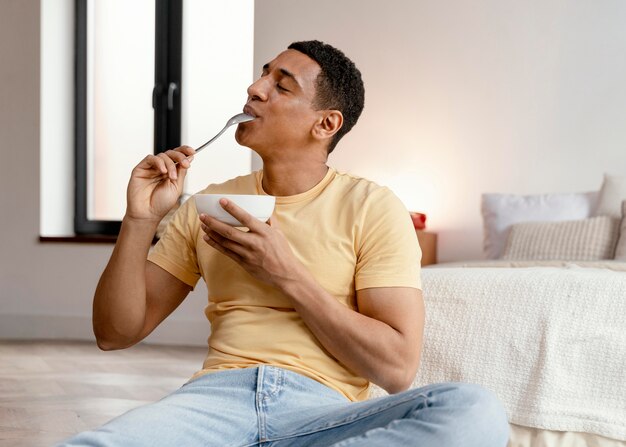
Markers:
{"x": 250, "y": 111}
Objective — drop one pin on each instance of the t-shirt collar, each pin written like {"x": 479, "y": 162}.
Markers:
{"x": 304, "y": 196}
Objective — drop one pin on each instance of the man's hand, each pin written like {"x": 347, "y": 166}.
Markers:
{"x": 263, "y": 251}
{"x": 156, "y": 184}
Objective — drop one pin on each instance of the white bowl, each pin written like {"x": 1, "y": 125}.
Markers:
{"x": 260, "y": 207}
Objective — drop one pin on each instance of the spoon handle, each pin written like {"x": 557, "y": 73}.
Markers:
{"x": 209, "y": 142}
{"x": 212, "y": 139}
{"x": 239, "y": 118}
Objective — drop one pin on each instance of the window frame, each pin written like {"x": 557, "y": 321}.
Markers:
{"x": 166, "y": 102}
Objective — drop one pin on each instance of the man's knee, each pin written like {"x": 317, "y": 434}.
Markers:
{"x": 473, "y": 414}
{"x": 485, "y": 414}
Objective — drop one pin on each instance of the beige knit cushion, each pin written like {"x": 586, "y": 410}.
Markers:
{"x": 574, "y": 240}
{"x": 620, "y": 250}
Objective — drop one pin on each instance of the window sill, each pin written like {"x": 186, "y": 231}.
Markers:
{"x": 82, "y": 239}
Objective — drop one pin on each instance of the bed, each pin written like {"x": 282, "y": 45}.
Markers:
{"x": 549, "y": 338}
{"x": 542, "y": 321}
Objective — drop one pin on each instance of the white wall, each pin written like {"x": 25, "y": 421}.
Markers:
{"x": 470, "y": 97}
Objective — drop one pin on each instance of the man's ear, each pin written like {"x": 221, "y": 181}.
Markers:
{"x": 329, "y": 123}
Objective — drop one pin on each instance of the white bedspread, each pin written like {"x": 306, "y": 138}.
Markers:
{"x": 550, "y": 342}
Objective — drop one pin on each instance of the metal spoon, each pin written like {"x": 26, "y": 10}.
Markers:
{"x": 239, "y": 118}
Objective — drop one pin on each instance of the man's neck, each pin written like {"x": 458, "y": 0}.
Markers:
{"x": 289, "y": 179}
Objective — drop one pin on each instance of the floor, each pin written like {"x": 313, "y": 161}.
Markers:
{"x": 50, "y": 390}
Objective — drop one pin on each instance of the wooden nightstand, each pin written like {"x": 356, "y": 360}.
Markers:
{"x": 428, "y": 244}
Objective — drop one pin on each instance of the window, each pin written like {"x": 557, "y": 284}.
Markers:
{"x": 127, "y": 99}
{"x": 150, "y": 73}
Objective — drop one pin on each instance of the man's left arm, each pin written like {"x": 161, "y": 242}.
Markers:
{"x": 380, "y": 341}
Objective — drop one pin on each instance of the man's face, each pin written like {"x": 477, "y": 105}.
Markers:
{"x": 282, "y": 102}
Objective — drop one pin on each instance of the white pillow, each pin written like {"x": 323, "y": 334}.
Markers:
{"x": 620, "y": 250}
{"x": 500, "y": 211}
{"x": 612, "y": 193}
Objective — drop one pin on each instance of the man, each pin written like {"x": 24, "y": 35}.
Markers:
{"x": 306, "y": 310}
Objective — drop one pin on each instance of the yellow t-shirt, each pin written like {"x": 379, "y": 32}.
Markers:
{"x": 349, "y": 232}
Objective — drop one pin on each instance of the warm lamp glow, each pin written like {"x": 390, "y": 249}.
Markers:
{"x": 417, "y": 191}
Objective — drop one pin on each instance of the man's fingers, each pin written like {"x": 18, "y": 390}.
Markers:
{"x": 222, "y": 249}
{"x": 210, "y": 224}
{"x": 187, "y": 150}
{"x": 176, "y": 159}
{"x": 169, "y": 164}
{"x": 237, "y": 241}
{"x": 226, "y": 243}
{"x": 241, "y": 215}
{"x": 156, "y": 163}
{"x": 179, "y": 160}
{"x": 182, "y": 155}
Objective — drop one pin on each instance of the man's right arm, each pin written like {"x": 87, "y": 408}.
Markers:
{"x": 134, "y": 295}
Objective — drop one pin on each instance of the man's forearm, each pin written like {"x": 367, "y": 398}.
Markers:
{"x": 367, "y": 346}
{"x": 119, "y": 307}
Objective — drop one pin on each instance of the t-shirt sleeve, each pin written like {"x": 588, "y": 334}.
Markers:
{"x": 175, "y": 252}
{"x": 388, "y": 252}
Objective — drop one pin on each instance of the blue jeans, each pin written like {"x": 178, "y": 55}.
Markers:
{"x": 269, "y": 406}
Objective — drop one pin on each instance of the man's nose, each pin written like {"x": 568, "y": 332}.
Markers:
{"x": 258, "y": 89}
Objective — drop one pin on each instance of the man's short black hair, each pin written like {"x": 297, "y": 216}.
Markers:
{"x": 339, "y": 84}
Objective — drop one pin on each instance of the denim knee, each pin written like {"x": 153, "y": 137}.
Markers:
{"x": 485, "y": 413}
